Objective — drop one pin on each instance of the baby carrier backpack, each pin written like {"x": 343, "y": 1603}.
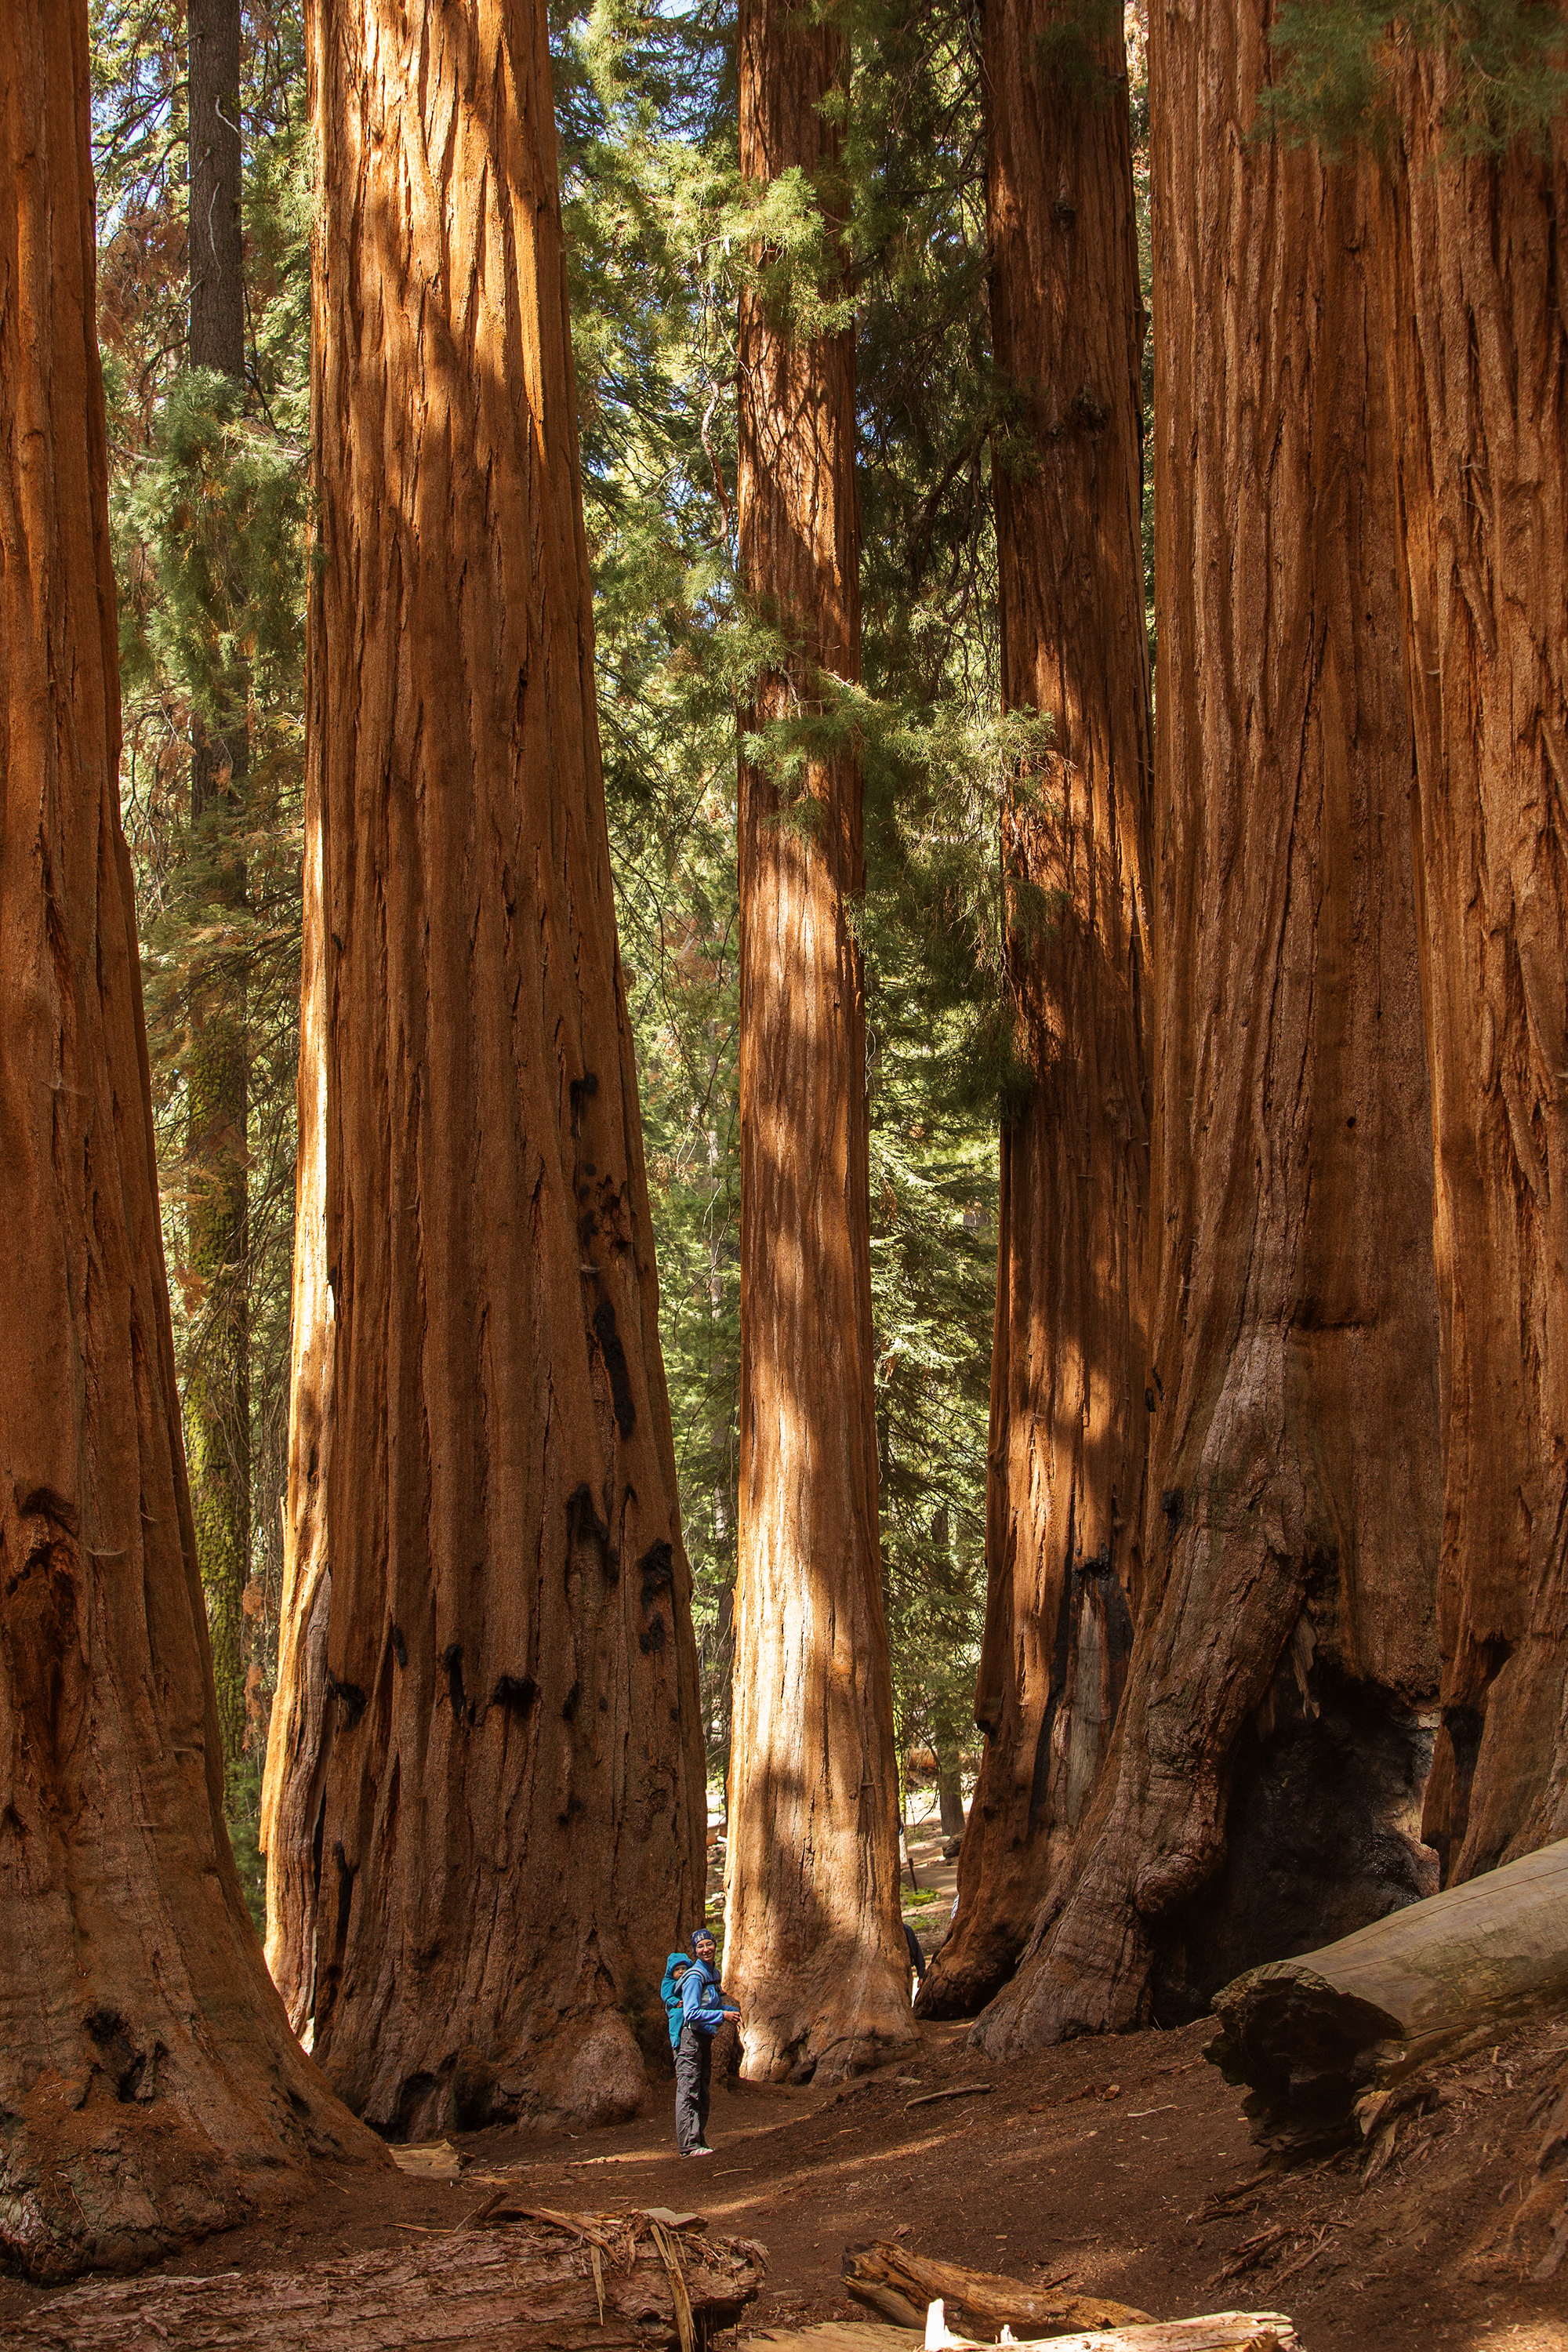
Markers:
{"x": 675, "y": 1970}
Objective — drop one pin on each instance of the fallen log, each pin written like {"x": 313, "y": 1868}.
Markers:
{"x": 567, "y": 2283}
{"x": 902, "y": 2285}
{"x": 1321, "y": 2041}
{"x": 1218, "y": 2331}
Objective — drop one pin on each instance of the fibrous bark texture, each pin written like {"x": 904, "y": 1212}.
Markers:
{"x": 814, "y": 1951}
{"x": 217, "y": 1061}
{"x": 1069, "y": 1425}
{"x": 485, "y": 1813}
{"x": 150, "y": 2088}
{"x": 1475, "y": 310}
{"x": 557, "y": 2283}
{"x": 1261, "y": 1790}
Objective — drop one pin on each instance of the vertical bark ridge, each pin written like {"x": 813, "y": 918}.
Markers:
{"x": 150, "y": 2088}
{"x": 1068, "y": 1424}
{"x": 1261, "y": 1788}
{"x": 814, "y": 1946}
{"x": 504, "y": 1733}
{"x": 1474, "y": 312}
{"x": 299, "y": 1741}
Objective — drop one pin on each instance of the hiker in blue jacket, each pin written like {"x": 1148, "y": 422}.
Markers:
{"x": 703, "y": 2007}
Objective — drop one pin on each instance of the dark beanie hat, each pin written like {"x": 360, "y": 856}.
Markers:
{"x": 699, "y": 1935}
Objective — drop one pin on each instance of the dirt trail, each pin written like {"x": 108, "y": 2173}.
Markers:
{"x": 1139, "y": 2195}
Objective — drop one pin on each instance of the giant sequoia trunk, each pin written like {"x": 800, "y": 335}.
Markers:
{"x": 150, "y": 2088}
{"x": 1476, "y": 312}
{"x": 485, "y": 1803}
{"x": 1260, "y": 1793}
{"x": 814, "y": 1947}
{"x": 1069, "y": 1425}
{"x": 217, "y": 1061}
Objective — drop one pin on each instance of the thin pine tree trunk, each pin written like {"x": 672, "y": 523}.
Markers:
{"x": 217, "y": 1062}
{"x": 1069, "y": 1425}
{"x": 485, "y": 1811}
{"x": 150, "y": 2089}
{"x": 814, "y": 1947}
{"x": 1260, "y": 1795}
{"x": 1476, "y": 325}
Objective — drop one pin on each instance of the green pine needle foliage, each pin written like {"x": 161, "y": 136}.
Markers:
{"x": 1509, "y": 61}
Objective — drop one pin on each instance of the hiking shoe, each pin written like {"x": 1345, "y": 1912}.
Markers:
{"x": 701, "y": 2148}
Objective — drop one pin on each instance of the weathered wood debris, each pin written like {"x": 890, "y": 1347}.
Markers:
{"x": 1325, "y": 2044}
{"x": 1217, "y": 2331}
{"x": 901, "y": 2285}
{"x": 511, "y": 2279}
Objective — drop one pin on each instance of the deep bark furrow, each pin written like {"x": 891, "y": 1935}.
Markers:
{"x": 814, "y": 1947}
{"x": 1064, "y": 1488}
{"x": 498, "y": 1882}
{"x": 1260, "y": 1790}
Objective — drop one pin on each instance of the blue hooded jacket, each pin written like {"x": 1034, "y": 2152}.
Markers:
{"x": 703, "y": 2000}
{"x": 691, "y": 1993}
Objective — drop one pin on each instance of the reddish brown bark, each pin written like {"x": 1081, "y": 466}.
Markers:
{"x": 814, "y": 1948}
{"x": 150, "y": 2088}
{"x": 485, "y": 1811}
{"x": 1475, "y": 312}
{"x": 1069, "y": 1425}
{"x": 1259, "y": 1796}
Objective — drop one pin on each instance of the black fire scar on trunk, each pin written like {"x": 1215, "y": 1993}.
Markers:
{"x": 657, "y": 1569}
{"x": 615, "y": 1357}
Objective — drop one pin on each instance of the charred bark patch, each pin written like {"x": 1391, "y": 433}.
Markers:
{"x": 582, "y": 1090}
{"x": 452, "y": 1664}
{"x": 42, "y": 1646}
{"x": 1321, "y": 1836}
{"x": 614, "y": 1356}
{"x": 656, "y": 1570}
{"x": 351, "y": 1700}
{"x": 584, "y": 1517}
{"x": 651, "y": 1641}
{"x": 516, "y": 1694}
{"x": 44, "y": 1503}
{"x": 399, "y": 1646}
{"x": 132, "y": 2072}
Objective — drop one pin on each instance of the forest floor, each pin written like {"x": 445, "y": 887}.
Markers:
{"x": 1121, "y": 2168}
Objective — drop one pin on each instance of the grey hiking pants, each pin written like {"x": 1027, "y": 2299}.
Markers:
{"x": 693, "y": 2069}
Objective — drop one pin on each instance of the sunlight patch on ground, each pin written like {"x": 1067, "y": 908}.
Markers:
{"x": 1523, "y": 2335}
